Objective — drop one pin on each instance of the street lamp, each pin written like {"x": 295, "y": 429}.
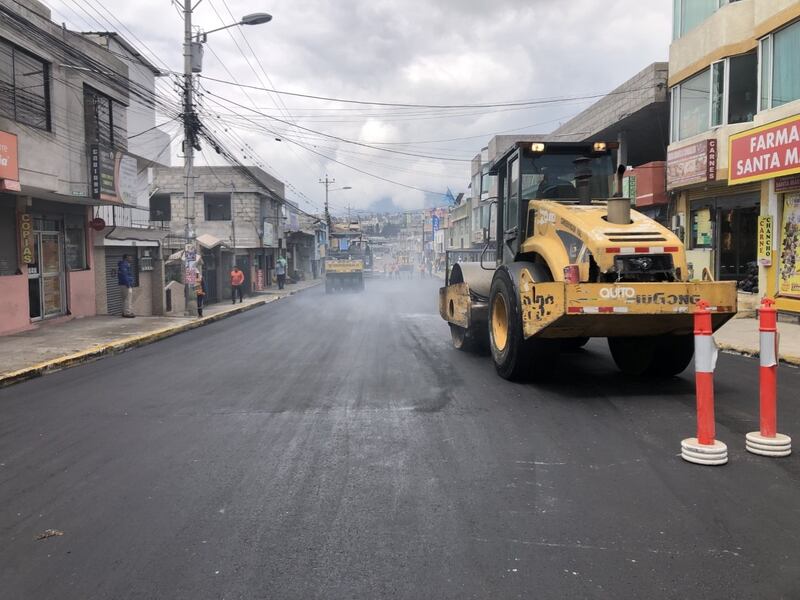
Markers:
{"x": 251, "y": 19}
{"x": 192, "y": 57}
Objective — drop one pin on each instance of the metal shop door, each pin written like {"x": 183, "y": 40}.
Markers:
{"x": 113, "y": 295}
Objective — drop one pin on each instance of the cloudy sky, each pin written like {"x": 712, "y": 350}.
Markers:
{"x": 416, "y": 52}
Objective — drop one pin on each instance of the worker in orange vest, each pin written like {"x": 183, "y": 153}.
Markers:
{"x": 237, "y": 281}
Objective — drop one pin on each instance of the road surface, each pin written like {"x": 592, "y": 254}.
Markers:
{"x": 337, "y": 447}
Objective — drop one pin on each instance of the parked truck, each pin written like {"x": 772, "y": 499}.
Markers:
{"x": 573, "y": 261}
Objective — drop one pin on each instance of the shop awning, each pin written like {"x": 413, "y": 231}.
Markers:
{"x": 209, "y": 241}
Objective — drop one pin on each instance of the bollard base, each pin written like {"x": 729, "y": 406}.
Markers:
{"x": 704, "y": 454}
{"x": 780, "y": 445}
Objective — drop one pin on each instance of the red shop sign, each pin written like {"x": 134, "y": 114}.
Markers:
{"x": 765, "y": 152}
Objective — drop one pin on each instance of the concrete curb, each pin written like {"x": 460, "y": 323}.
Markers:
{"x": 134, "y": 341}
{"x": 753, "y": 352}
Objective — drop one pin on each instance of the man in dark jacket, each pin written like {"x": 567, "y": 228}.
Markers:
{"x": 125, "y": 280}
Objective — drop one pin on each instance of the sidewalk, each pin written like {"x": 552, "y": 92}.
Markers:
{"x": 741, "y": 336}
{"x": 61, "y": 345}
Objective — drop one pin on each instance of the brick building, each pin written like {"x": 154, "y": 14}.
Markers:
{"x": 237, "y": 217}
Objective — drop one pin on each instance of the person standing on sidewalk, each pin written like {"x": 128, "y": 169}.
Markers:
{"x": 280, "y": 271}
{"x": 125, "y": 280}
{"x": 237, "y": 281}
{"x": 200, "y": 290}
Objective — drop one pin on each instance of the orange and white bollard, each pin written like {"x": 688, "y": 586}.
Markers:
{"x": 767, "y": 441}
{"x": 704, "y": 449}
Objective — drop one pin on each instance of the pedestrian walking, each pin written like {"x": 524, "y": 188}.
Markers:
{"x": 200, "y": 291}
{"x": 280, "y": 271}
{"x": 237, "y": 281}
{"x": 430, "y": 268}
{"x": 125, "y": 280}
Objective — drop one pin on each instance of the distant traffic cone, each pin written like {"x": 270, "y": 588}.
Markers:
{"x": 767, "y": 441}
{"x": 704, "y": 449}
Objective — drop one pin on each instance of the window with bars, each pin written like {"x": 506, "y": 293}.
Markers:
{"x": 218, "y": 207}
{"x": 160, "y": 207}
{"x": 24, "y": 87}
{"x": 104, "y": 120}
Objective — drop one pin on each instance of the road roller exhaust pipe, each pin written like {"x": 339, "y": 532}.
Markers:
{"x": 619, "y": 208}
{"x": 583, "y": 178}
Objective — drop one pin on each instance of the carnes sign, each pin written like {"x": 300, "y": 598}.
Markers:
{"x": 765, "y": 152}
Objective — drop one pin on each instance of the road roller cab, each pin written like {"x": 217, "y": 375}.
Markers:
{"x": 574, "y": 261}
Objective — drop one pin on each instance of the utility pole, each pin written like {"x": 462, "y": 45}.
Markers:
{"x": 327, "y": 182}
{"x": 423, "y": 234}
{"x": 190, "y": 248}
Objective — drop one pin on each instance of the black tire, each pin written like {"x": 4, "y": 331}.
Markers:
{"x": 633, "y": 355}
{"x": 514, "y": 357}
{"x": 573, "y": 344}
{"x": 469, "y": 340}
{"x": 672, "y": 355}
{"x": 659, "y": 356}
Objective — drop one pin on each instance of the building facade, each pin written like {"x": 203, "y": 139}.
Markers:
{"x": 238, "y": 217}
{"x": 636, "y": 115}
{"x": 128, "y": 227}
{"x": 63, "y": 125}
{"x": 734, "y": 147}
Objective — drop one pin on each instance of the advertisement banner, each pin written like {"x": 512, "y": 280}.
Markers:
{"x": 790, "y": 183}
{"x": 696, "y": 163}
{"x": 765, "y": 241}
{"x": 126, "y": 179}
{"x": 9, "y": 165}
{"x": 25, "y": 229}
{"x": 102, "y": 170}
{"x": 765, "y": 152}
{"x": 789, "y": 276}
{"x": 268, "y": 239}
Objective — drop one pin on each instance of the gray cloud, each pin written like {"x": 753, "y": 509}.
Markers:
{"x": 419, "y": 51}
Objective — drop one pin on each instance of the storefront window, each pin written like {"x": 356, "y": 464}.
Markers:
{"x": 738, "y": 238}
{"x": 75, "y": 243}
{"x": 789, "y": 275}
{"x": 8, "y": 241}
{"x": 702, "y": 228}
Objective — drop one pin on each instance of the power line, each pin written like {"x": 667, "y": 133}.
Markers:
{"x": 550, "y": 100}
{"x": 341, "y": 139}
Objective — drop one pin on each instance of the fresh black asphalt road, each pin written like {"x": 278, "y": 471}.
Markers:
{"x": 338, "y": 447}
